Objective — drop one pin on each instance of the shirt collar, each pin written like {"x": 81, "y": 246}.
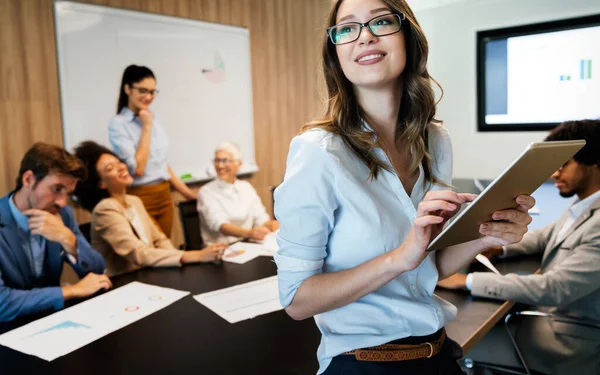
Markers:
{"x": 127, "y": 113}
{"x": 580, "y": 206}
{"x": 224, "y": 185}
{"x": 18, "y": 215}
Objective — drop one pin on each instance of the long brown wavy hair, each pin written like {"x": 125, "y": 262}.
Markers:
{"x": 344, "y": 115}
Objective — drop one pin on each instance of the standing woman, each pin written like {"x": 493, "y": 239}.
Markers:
{"x": 138, "y": 138}
{"x": 364, "y": 193}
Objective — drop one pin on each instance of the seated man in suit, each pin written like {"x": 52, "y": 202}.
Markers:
{"x": 569, "y": 282}
{"x": 38, "y": 232}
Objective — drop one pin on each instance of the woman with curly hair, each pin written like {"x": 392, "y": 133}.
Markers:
{"x": 121, "y": 230}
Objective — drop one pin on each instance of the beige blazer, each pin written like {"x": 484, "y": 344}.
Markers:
{"x": 114, "y": 236}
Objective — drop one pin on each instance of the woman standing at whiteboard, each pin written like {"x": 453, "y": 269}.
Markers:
{"x": 139, "y": 139}
{"x": 364, "y": 193}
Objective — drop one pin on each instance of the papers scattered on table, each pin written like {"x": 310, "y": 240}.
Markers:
{"x": 486, "y": 262}
{"x": 239, "y": 254}
{"x": 70, "y": 329}
{"x": 242, "y": 252}
{"x": 243, "y": 301}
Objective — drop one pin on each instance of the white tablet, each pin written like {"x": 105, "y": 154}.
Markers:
{"x": 523, "y": 176}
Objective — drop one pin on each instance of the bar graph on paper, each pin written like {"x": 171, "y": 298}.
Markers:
{"x": 67, "y": 330}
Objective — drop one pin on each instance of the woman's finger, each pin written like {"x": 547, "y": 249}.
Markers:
{"x": 424, "y": 221}
{"x": 502, "y": 227}
{"x": 427, "y": 207}
{"x": 526, "y": 200}
{"x": 467, "y": 197}
{"x": 447, "y": 195}
{"x": 513, "y": 216}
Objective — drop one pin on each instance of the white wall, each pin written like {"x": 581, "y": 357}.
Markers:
{"x": 451, "y": 33}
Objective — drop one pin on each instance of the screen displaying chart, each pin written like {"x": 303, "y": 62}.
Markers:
{"x": 542, "y": 78}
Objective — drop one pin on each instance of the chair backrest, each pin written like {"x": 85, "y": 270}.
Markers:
{"x": 86, "y": 230}
{"x": 190, "y": 223}
{"x": 272, "y": 190}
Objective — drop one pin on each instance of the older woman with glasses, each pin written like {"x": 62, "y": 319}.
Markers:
{"x": 230, "y": 208}
{"x": 137, "y": 137}
{"x": 365, "y": 191}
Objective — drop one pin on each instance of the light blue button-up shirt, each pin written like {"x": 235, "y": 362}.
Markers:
{"x": 124, "y": 133}
{"x": 33, "y": 246}
{"x": 334, "y": 218}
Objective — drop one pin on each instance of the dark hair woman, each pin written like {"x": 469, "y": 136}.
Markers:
{"x": 365, "y": 191}
{"x": 138, "y": 138}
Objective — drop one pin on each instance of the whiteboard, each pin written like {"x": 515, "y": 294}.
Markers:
{"x": 202, "y": 72}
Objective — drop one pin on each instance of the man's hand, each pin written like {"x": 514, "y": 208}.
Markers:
{"x": 87, "y": 286}
{"x": 52, "y": 228}
{"x": 455, "y": 282}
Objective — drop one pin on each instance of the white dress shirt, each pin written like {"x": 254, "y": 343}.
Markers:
{"x": 578, "y": 207}
{"x": 333, "y": 217}
{"x": 220, "y": 202}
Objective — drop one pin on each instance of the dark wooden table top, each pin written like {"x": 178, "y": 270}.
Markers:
{"x": 477, "y": 316}
{"x": 187, "y": 338}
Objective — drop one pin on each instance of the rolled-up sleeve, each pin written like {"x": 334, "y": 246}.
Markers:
{"x": 210, "y": 210}
{"x": 305, "y": 204}
{"x": 122, "y": 143}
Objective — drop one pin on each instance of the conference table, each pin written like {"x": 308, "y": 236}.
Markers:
{"x": 187, "y": 337}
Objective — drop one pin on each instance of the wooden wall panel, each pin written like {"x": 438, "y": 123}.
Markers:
{"x": 285, "y": 37}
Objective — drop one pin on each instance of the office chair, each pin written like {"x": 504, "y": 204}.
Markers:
{"x": 86, "y": 230}
{"x": 272, "y": 190}
{"x": 540, "y": 314}
{"x": 536, "y": 314}
{"x": 190, "y": 223}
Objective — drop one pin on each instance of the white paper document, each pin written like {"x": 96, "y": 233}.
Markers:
{"x": 239, "y": 254}
{"x": 243, "y": 301}
{"x": 70, "y": 329}
{"x": 486, "y": 262}
{"x": 242, "y": 252}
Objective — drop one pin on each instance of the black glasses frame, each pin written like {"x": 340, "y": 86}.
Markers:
{"x": 400, "y": 16}
{"x": 145, "y": 91}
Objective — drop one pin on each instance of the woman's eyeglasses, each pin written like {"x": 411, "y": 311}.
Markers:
{"x": 379, "y": 26}
{"x": 224, "y": 160}
{"x": 145, "y": 91}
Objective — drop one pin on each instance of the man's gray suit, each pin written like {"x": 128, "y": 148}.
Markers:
{"x": 568, "y": 285}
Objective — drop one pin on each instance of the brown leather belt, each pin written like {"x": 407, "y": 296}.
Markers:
{"x": 398, "y": 352}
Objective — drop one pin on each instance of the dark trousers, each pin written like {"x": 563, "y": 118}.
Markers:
{"x": 444, "y": 363}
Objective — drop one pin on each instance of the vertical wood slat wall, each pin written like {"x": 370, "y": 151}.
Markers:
{"x": 285, "y": 38}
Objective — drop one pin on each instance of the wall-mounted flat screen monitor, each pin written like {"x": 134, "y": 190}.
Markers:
{"x": 534, "y": 77}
